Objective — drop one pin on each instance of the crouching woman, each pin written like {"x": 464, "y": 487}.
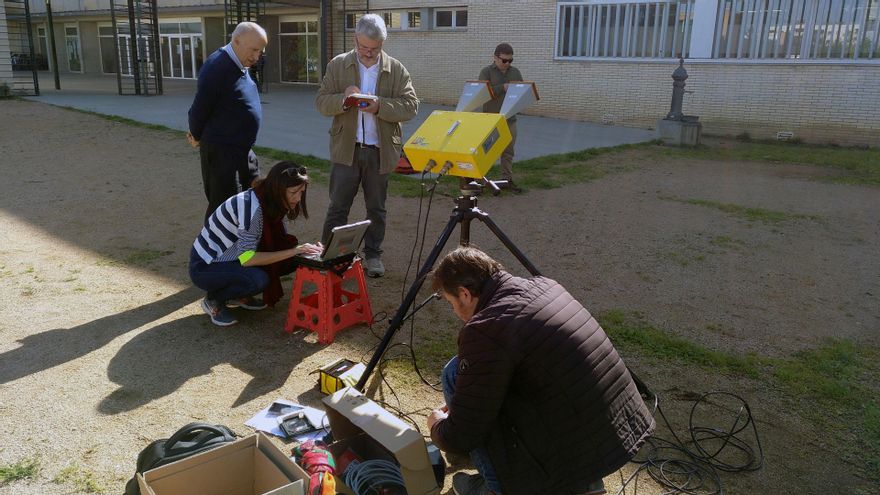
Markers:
{"x": 244, "y": 247}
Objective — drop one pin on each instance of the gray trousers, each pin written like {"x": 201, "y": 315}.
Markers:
{"x": 344, "y": 183}
{"x": 507, "y": 154}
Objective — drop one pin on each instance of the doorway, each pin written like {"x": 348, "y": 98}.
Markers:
{"x": 299, "y": 50}
{"x": 182, "y": 48}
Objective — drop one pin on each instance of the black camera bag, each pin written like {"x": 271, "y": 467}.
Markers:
{"x": 189, "y": 440}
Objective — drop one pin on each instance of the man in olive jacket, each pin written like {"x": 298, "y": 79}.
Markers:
{"x": 365, "y": 137}
{"x": 537, "y": 394}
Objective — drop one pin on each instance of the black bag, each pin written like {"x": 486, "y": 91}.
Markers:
{"x": 189, "y": 440}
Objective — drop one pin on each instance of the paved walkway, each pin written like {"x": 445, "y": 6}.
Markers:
{"x": 291, "y": 122}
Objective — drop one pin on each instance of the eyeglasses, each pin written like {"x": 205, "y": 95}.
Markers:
{"x": 294, "y": 171}
{"x": 367, "y": 49}
{"x": 505, "y": 60}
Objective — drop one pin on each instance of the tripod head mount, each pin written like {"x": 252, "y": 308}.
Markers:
{"x": 465, "y": 203}
{"x": 476, "y": 186}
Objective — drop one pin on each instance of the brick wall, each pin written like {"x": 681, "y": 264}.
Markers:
{"x": 817, "y": 102}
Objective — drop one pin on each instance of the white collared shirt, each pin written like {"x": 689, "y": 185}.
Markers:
{"x": 367, "y": 131}
{"x": 228, "y": 49}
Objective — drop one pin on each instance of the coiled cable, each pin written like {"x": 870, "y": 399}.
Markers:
{"x": 372, "y": 475}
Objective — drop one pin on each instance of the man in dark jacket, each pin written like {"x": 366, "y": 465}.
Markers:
{"x": 537, "y": 394}
{"x": 225, "y": 116}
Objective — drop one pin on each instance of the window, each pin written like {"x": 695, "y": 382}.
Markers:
{"x": 298, "y": 54}
{"x": 351, "y": 20}
{"x": 599, "y": 29}
{"x": 392, "y": 19}
{"x": 797, "y": 29}
{"x": 412, "y": 19}
{"x": 71, "y": 42}
{"x": 43, "y": 61}
{"x": 181, "y": 47}
{"x": 107, "y": 45}
{"x": 456, "y": 18}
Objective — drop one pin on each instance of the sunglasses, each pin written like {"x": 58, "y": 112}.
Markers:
{"x": 294, "y": 171}
{"x": 506, "y": 60}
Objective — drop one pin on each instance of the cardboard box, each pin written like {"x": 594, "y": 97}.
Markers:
{"x": 374, "y": 433}
{"x": 249, "y": 466}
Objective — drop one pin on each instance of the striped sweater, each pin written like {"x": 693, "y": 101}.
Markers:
{"x": 232, "y": 230}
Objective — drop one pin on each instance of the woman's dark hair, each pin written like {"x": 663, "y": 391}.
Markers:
{"x": 273, "y": 189}
{"x": 466, "y": 267}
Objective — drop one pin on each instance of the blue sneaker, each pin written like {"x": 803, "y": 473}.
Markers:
{"x": 217, "y": 312}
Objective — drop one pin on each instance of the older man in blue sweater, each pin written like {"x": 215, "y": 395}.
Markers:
{"x": 225, "y": 115}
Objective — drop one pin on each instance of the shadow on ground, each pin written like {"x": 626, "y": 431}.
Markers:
{"x": 158, "y": 361}
{"x": 51, "y": 348}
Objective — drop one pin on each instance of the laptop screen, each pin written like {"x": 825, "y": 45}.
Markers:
{"x": 345, "y": 239}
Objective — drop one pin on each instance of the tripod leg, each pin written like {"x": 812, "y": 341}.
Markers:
{"x": 465, "y": 239}
{"x": 398, "y": 318}
{"x": 508, "y": 243}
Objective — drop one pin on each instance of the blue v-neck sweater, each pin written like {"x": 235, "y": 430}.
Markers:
{"x": 226, "y": 109}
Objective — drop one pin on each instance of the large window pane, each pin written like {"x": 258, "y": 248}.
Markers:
{"x": 293, "y": 59}
{"x": 293, "y": 27}
{"x": 108, "y": 54}
{"x": 169, "y": 28}
{"x": 625, "y": 30}
{"x": 191, "y": 27}
{"x": 415, "y": 19}
{"x": 443, "y": 18}
{"x": 796, "y": 29}
{"x": 71, "y": 41}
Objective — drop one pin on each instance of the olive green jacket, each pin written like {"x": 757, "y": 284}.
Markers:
{"x": 497, "y": 80}
{"x": 397, "y": 103}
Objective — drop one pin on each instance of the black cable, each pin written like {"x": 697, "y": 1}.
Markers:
{"x": 702, "y": 435}
{"x": 692, "y": 467}
{"x": 424, "y": 231}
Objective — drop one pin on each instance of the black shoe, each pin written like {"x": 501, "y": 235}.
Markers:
{"x": 469, "y": 484}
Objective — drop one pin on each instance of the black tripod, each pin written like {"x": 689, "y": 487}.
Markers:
{"x": 465, "y": 210}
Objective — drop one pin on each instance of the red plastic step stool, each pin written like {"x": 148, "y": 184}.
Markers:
{"x": 331, "y": 307}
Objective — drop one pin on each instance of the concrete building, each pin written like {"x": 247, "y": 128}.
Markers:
{"x": 5, "y": 54}
{"x": 807, "y": 69}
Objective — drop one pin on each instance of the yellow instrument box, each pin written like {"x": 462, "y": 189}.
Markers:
{"x": 339, "y": 374}
{"x": 471, "y": 142}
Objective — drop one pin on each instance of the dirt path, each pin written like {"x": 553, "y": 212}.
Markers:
{"x": 103, "y": 347}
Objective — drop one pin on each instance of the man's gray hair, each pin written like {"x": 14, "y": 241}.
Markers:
{"x": 248, "y": 27}
{"x": 372, "y": 26}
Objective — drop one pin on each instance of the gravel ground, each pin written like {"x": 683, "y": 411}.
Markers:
{"x": 103, "y": 347}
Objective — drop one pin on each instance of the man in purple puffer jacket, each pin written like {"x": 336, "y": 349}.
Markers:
{"x": 537, "y": 394}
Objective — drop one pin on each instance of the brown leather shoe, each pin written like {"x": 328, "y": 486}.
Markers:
{"x": 511, "y": 185}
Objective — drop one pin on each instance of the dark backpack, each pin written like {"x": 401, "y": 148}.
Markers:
{"x": 189, "y": 440}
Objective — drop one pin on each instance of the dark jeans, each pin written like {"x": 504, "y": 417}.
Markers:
{"x": 344, "y": 183}
{"x": 479, "y": 456}
{"x": 226, "y": 280}
{"x": 507, "y": 154}
{"x": 225, "y": 173}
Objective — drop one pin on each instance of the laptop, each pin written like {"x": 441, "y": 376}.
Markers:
{"x": 341, "y": 247}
